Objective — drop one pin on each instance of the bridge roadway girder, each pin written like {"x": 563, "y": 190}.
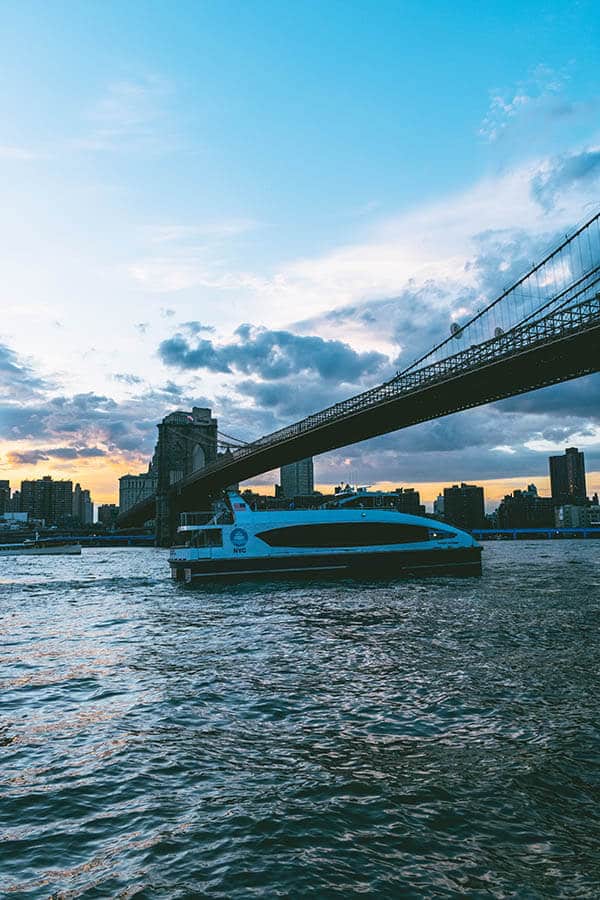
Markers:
{"x": 557, "y": 361}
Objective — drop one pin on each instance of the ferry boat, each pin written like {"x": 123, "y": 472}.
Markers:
{"x": 341, "y": 541}
{"x": 37, "y": 547}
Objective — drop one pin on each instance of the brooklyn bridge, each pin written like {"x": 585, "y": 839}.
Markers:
{"x": 542, "y": 330}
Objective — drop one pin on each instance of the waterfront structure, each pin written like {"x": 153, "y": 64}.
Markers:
{"x": 42, "y": 547}
{"x": 297, "y": 479}
{"x": 107, "y": 514}
{"x": 4, "y": 497}
{"x": 13, "y": 520}
{"x": 572, "y": 516}
{"x": 83, "y": 508}
{"x": 48, "y": 500}
{"x": 187, "y": 442}
{"x": 525, "y": 509}
{"x": 567, "y": 478}
{"x": 464, "y": 506}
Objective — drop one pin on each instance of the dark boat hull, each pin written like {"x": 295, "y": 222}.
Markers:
{"x": 465, "y": 561}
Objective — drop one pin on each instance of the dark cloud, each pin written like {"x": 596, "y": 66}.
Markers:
{"x": 461, "y": 447}
{"x": 567, "y": 171}
{"x": 127, "y": 378}
{"x": 573, "y": 401}
{"x": 178, "y": 352}
{"x": 293, "y": 399}
{"x": 27, "y": 457}
{"x": 195, "y": 327}
{"x": 274, "y": 355}
{"x": 33, "y": 457}
{"x": 17, "y": 380}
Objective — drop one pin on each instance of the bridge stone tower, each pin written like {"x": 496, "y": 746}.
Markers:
{"x": 187, "y": 441}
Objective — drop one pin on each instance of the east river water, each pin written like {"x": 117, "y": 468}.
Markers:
{"x": 418, "y": 738}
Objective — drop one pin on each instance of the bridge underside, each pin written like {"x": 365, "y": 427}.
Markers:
{"x": 557, "y": 361}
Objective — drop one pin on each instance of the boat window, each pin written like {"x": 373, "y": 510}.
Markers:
{"x": 208, "y": 537}
{"x": 344, "y": 534}
{"x": 441, "y": 535}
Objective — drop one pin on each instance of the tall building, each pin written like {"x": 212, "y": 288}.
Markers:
{"x": 133, "y": 488}
{"x": 464, "y": 506}
{"x": 438, "y": 506}
{"x": 578, "y": 516}
{"x": 107, "y": 514}
{"x": 526, "y": 509}
{"x": 83, "y": 508}
{"x": 4, "y": 497}
{"x": 567, "y": 478}
{"x": 408, "y": 500}
{"x": 297, "y": 479}
{"x": 49, "y": 500}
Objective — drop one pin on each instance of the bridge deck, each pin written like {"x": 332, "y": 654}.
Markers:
{"x": 563, "y": 344}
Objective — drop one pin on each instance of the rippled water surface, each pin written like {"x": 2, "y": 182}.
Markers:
{"x": 407, "y": 739}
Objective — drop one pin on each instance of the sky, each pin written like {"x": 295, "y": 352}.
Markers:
{"x": 265, "y": 208}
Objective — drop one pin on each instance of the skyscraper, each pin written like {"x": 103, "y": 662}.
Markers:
{"x": 463, "y": 506}
{"x": 526, "y": 509}
{"x": 83, "y": 508}
{"x": 134, "y": 488}
{"x": 4, "y": 497}
{"x": 47, "y": 499}
{"x": 297, "y": 479}
{"x": 567, "y": 478}
{"x": 107, "y": 514}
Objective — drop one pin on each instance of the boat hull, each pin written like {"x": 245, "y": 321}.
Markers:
{"x": 464, "y": 561}
{"x": 69, "y": 550}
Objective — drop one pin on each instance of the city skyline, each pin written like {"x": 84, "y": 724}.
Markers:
{"x": 232, "y": 214}
{"x": 304, "y": 468}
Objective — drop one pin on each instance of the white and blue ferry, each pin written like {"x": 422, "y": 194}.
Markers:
{"x": 344, "y": 541}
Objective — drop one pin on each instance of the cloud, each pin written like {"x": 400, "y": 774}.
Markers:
{"x": 198, "y": 233}
{"x": 180, "y": 257}
{"x": 291, "y": 399}
{"x": 573, "y": 401}
{"x": 466, "y": 446}
{"x": 536, "y": 96}
{"x": 565, "y": 172}
{"x": 127, "y": 378}
{"x": 17, "y": 379}
{"x": 274, "y": 355}
{"x": 130, "y": 115}
{"x": 195, "y": 327}
{"x": 33, "y": 457}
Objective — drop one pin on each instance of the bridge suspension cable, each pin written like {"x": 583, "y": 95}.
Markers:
{"x": 550, "y": 283}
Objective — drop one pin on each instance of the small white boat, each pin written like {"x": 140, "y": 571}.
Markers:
{"x": 237, "y": 542}
{"x": 39, "y": 547}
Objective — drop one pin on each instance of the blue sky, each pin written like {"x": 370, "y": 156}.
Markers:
{"x": 290, "y": 166}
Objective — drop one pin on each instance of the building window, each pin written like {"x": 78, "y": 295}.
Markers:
{"x": 344, "y": 534}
